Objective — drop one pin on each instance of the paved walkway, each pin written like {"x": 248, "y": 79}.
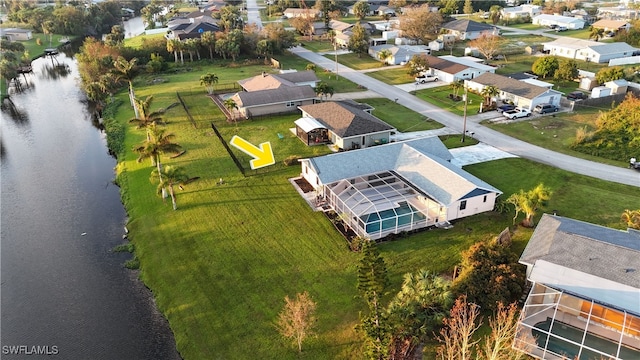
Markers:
{"x": 491, "y": 137}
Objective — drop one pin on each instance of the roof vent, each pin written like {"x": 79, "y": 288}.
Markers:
{"x": 629, "y": 270}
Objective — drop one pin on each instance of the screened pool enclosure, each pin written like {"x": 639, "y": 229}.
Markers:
{"x": 383, "y": 203}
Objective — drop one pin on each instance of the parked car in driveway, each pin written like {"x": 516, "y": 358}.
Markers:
{"x": 505, "y": 107}
{"x": 517, "y": 113}
{"x": 423, "y": 79}
{"x": 545, "y": 108}
{"x": 576, "y": 95}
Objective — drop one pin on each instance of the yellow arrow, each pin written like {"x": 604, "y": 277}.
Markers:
{"x": 263, "y": 155}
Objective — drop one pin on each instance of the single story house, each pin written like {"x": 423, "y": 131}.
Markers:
{"x": 291, "y": 13}
{"x": 588, "y": 50}
{"x": 188, "y": 27}
{"x": 399, "y": 53}
{"x": 448, "y": 70}
{"x": 472, "y": 62}
{"x": 584, "y": 300}
{"x": 465, "y": 29}
{"x": 285, "y": 99}
{"x": 343, "y": 31}
{"x": 521, "y": 93}
{"x": 397, "y": 187}
{"x": 612, "y": 25}
{"x": 275, "y": 81}
{"x": 523, "y": 10}
{"x": 16, "y": 34}
{"x": 571, "y": 23}
{"x": 346, "y": 124}
{"x": 618, "y": 12}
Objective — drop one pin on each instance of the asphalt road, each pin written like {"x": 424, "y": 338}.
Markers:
{"x": 483, "y": 134}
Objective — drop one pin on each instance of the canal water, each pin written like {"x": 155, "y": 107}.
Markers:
{"x": 64, "y": 293}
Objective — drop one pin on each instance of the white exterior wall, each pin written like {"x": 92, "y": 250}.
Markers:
{"x": 475, "y": 205}
{"x": 309, "y": 174}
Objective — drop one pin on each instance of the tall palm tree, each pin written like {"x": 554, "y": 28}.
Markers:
{"x": 209, "y": 80}
{"x": 488, "y": 92}
{"x": 208, "y": 39}
{"x": 595, "y": 33}
{"x": 231, "y": 106}
{"x": 160, "y": 142}
{"x": 172, "y": 46}
{"x": 167, "y": 178}
{"x": 146, "y": 118}
{"x": 126, "y": 69}
{"x": 456, "y": 86}
{"x": 384, "y": 55}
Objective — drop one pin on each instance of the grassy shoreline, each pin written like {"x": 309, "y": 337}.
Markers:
{"x": 220, "y": 266}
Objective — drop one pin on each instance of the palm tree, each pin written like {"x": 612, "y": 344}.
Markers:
{"x": 595, "y": 33}
{"x": 160, "y": 142}
{"x": 208, "y": 80}
{"x": 384, "y": 55}
{"x": 231, "y": 105}
{"x": 529, "y": 202}
{"x": 323, "y": 89}
{"x": 167, "y": 178}
{"x": 489, "y": 92}
{"x": 631, "y": 218}
{"x": 455, "y": 87}
{"x": 208, "y": 39}
{"x": 127, "y": 71}
{"x": 146, "y": 118}
{"x": 172, "y": 46}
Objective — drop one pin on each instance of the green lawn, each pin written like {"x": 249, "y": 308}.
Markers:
{"x": 395, "y": 76}
{"x": 439, "y": 96}
{"x": 525, "y": 26}
{"x": 400, "y": 117}
{"x": 220, "y": 266}
{"x": 352, "y": 60}
{"x": 137, "y": 41}
{"x": 36, "y": 50}
{"x": 316, "y": 45}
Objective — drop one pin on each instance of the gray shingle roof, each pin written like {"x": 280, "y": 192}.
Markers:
{"x": 274, "y": 96}
{"x": 467, "y": 26}
{"x": 511, "y": 86}
{"x": 445, "y": 65}
{"x": 419, "y": 161}
{"x": 346, "y": 118}
{"x": 592, "y": 249}
{"x": 613, "y": 48}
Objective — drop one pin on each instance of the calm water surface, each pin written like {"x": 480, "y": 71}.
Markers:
{"x": 61, "y": 286}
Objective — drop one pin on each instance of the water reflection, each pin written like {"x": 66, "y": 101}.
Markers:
{"x": 18, "y": 115}
{"x": 55, "y": 71}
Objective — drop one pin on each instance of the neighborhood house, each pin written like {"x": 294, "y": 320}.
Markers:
{"x": 585, "y": 296}
{"x": 521, "y": 93}
{"x": 397, "y": 187}
{"x": 469, "y": 29}
{"x": 588, "y": 50}
{"x": 571, "y": 23}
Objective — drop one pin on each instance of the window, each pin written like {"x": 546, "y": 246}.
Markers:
{"x": 463, "y": 204}
{"x": 291, "y": 104}
{"x": 484, "y": 199}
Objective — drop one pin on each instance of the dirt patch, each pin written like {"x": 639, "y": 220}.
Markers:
{"x": 554, "y": 125}
{"x": 304, "y": 185}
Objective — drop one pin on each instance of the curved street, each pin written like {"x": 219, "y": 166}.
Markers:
{"x": 483, "y": 134}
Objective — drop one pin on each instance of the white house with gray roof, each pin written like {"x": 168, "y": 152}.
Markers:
{"x": 397, "y": 187}
{"x": 571, "y": 23}
{"x": 521, "y": 93}
{"x": 585, "y": 296}
{"x": 399, "y": 53}
{"x": 588, "y": 50}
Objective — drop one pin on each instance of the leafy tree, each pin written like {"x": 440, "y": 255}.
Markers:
{"x": 116, "y": 36}
{"x": 596, "y": 33}
{"x": 208, "y": 40}
{"x": 156, "y": 63}
{"x": 230, "y": 18}
{"x": 303, "y": 25}
{"x": 487, "y": 44}
{"x": 167, "y": 178}
{"x": 95, "y": 60}
{"x": 150, "y": 12}
{"x": 361, "y": 9}
{"x": 609, "y": 74}
{"x": 359, "y": 40}
{"x": 490, "y": 274}
{"x": 416, "y": 312}
{"x": 631, "y": 36}
{"x": 310, "y": 67}
{"x": 545, "y": 66}
{"x": 528, "y": 202}
{"x": 448, "y": 7}
{"x": 420, "y": 24}
{"x": 468, "y": 7}
{"x": 397, "y": 4}
{"x": 264, "y": 47}
{"x": 373, "y": 281}
{"x": 281, "y": 38}
{"x": 384, "y": 55}
{"x": 296, "y": 320}
{"x": 209, "y": 80}
{"x": 323, "y": 90}
{"x": 567, "y": 70}
{"x": 417, "y": 64}
{"x": 631, "y": 218}
{"x": 70, "y": 20}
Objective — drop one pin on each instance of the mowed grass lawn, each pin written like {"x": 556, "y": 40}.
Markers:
{"x": 395, "y": 76}
{"x": 220, "y": 266}
{"x": 400, "y": 117}
{"x": 352, "y": 60}
{"x": 439, "y": 96}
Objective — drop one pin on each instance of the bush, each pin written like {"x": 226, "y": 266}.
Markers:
{"x": 292, "y": 160}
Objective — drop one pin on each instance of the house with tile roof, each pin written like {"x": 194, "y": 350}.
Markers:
{"x": 397, "y": 187}
{"x": 571, "y": 23}
{"x": 522, "y": 93}
{"x": 588, "y": 50}
{"x": 585, "y": 292}
{"x": 275, "y": 81}
{"x": 343, "y": 31}
{"x": 465, "y": 29}
{"x": 612, "y": 25}
{"x": 346, "y": 124}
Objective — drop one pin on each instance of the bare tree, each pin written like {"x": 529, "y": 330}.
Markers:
{"x": 296, "y": 320}
{"x": 420, "y": 24}
{"x": 456, "y": 335}
{"x": 497, "y": 345}
{"x": 487, "y": 44}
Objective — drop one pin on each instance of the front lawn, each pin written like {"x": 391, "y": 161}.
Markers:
{"x": 439, "y": 96}
{"x": 400, "y": 117}
{"x": 395, "y": 76}
{"x": 352, "y": 60}
{"x": 316, "y": 45}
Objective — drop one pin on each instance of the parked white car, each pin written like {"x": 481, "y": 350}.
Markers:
{"x": 423, "y": 79}
{"x": 517, "y": 113}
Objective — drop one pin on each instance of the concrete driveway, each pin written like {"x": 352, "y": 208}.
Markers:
{"x": 483, "y": 134}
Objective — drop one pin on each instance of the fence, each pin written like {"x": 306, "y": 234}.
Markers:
{"x": 226, "y": 88}
{"x": 186, "y": 109}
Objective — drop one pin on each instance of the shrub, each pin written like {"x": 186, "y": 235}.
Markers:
{"x": 292, "y": 160}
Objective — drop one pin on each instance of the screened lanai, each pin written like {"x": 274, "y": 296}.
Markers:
{"x": 557, "y": 325}
{"x": 382, "y": 203}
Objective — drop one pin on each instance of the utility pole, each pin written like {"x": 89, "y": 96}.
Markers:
{"x": 335, "y": 48}
{"x": 464, "y": 118}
